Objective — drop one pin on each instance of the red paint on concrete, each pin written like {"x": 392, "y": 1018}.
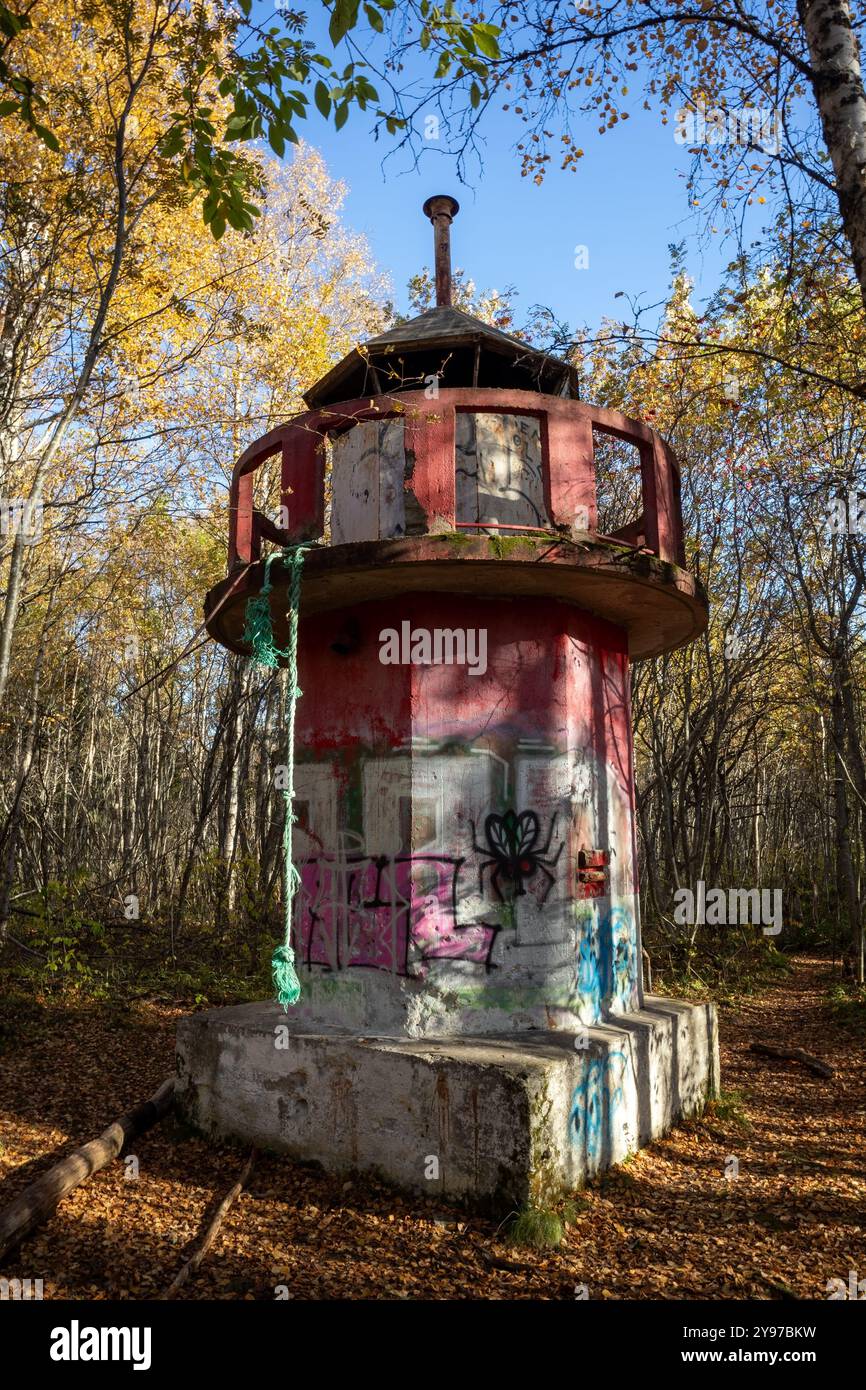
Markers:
{"x": 538, "y": 656}
{"x": 430, "y": 452}
{"x": 567, "y": 458}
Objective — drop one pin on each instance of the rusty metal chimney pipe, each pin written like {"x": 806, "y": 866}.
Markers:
{"x": 441, "y": 209}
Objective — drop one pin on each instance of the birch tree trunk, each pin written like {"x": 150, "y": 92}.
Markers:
{"x": 837, "y": 82}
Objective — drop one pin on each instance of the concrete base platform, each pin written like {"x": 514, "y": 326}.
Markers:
{"x": 497, "y": 1121}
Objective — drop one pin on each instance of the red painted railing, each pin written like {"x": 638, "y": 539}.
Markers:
{"x": 568, "y": 462}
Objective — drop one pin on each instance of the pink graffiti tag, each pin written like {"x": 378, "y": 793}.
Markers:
{"x": 370, "y": 911}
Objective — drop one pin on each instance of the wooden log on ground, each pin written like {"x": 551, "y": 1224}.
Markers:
{"x": 212, "y": 1231}
{"x": 38, "y": 1201}
{"x": 794, "y": 1054}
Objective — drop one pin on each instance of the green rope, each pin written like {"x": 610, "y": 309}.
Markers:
{"x": 258, "y": 631}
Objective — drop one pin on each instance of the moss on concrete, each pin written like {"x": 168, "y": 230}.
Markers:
{"x": 504, "y": 546}
{"x": 457, "y": 540}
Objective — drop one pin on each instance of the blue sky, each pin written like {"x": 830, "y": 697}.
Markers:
{"x": 626, "y": 203}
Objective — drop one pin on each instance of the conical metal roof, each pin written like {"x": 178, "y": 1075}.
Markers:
{"x": 445, "y": 342}
{"x": 458, "y": 348}
{"x": 443, "y": 323}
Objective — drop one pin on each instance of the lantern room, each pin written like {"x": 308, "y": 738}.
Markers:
{"x": 447, "y": 428}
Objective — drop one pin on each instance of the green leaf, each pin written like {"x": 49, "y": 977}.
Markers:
{"x": 343, "y": 18}
{"x": 172, "y": 144}
{"x": 12, "y": 24}
{"x": 424, "y": 40}
{"x": 341, "y": 115}
{"x": 47, "y": 137}
{"x": 374, "y": 19}
{"x": 486, "y": 41}
{"x": 475, "y": 94}
{"x": 237, "y": 218}
{"x": 218, "y": 226}
{"x": 7, "y": 107}
{"x": 276, "y": 142}
{"x": 322, "y": 99}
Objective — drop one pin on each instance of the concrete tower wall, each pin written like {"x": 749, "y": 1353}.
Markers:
{"x": 466, "y": 846}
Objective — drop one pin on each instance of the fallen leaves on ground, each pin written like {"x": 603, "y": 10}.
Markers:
{"x": 667, "y": 1225}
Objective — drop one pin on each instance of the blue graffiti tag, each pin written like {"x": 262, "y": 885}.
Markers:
{"x": 607, "y": 963}
{"x": 598, "y": 1097}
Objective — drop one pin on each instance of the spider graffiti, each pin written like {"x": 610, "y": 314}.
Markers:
{"x": 515, "y": 854}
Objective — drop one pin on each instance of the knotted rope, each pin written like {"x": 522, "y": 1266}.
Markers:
{"x": 259, "y": 632}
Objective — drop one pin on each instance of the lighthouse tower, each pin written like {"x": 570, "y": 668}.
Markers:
{"x": 472, "y": 1019}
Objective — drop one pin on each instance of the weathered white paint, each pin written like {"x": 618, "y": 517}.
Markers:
{"x": 555, "y": 960}
{"x": 499, "y": 474}
{"x": 510, "y": 1120}
{"x": 367, "y": 482}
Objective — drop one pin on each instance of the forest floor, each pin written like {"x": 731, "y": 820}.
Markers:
{"x": 667, "y": 1225}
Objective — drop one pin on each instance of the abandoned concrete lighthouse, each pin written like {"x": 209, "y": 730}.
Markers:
{"x": 467, "y": 931}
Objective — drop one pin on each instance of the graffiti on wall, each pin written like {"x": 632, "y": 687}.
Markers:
{"x": 463, "y": 855}
{"x": 515, "y": 856}
{"x": 396, "y": 912}
{"x": 386, "y": 912}
{"x": 499, "y": 479}
{"x": 607, "y": 962}
{"x": 595, "y": 1103}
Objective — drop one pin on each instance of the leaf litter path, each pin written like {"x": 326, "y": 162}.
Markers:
{"x": 668, "y": 1225}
